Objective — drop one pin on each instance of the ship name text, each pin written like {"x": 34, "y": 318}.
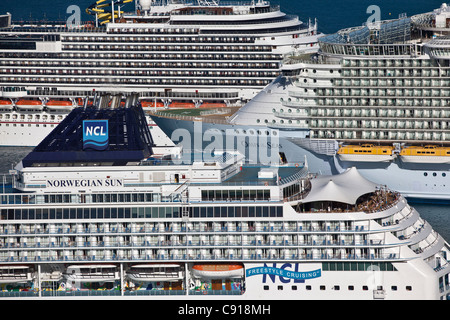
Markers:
{"x": 67, "y": 183}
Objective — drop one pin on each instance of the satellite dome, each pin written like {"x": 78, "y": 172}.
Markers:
{"x": 145, "y": 4}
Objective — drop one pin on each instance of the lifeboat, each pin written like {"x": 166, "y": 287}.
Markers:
{"x": 92, "y": 273}
{"x": 366, "y": 153}
{"x": 15, "y": 274}
{"x": 181, "y": 105}
{"x": 426, "y": 154}
{"x": 218, "y": 271}
{"x": 29, "y": 104}
{"x": 151, "y": 104}
{"x": 6, "y": 104}
{"x": 59, "y": 105}
{"x": 213, "y": 105}
{"x": 155, "y": 272}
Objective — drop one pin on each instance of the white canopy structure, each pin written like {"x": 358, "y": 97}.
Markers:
{"x": 346, "y": 187}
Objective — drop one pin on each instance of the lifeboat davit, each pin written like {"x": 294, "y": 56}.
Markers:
{"x": 59, "y": 105}
{"x": 6, "y": 104}
{"x": 218, "y": 271}
{"x": 29, "y": 104}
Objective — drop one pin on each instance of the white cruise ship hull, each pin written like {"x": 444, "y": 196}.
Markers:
{"x": 365, "y": 158}
{"x": 29, "y": 129}
{"x": 84, "y": 220}
{"x": 415, "y": 180}
{"x": 426, "y": 159}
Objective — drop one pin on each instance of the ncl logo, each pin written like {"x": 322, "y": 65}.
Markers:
{"x": 95, "y": 134}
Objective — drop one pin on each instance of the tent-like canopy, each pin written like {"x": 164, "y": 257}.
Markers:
{"x": 346, "y": 187}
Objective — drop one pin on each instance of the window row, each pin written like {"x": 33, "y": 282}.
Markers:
{"x": 336, "y": 288}
{"x": 140, "y": 212}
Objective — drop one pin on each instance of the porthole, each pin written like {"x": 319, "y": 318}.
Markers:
{"x": 434, "y": 174}
{"x": 425, "y": 174}
{"x": 444, "y": 174}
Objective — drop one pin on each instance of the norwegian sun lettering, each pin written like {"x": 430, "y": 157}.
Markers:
{"x": 65, "y": 183}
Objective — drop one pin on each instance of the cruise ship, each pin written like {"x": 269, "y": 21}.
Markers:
{"x": 92, "y": 213}
{"x": 375, "y": 97}
{"x": 176, "y": 54}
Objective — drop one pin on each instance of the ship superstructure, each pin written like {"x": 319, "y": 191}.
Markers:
{"x": 370, "y": 94}
{"x": 175, "y": 54}
{"x": 110, "y": 220}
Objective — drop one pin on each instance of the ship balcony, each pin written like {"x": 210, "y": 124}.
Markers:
{"x": 298, "y": 102}
{"x": 350, "y": 253}
{"x": 313, "y": 84}
{"x": 297, "y": 114}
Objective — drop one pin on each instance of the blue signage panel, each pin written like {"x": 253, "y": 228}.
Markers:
{"x": 284, "y": 273}
{"x": 95, "y": 134}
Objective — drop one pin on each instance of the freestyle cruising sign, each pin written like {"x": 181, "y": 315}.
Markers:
{"x": 284, "y": 273}
{"x": 95, "y": 134}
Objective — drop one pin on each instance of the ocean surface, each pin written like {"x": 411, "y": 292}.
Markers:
{"x": 332, "y": 15}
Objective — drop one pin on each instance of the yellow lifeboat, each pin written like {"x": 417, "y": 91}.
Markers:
{"x": 218, "y": 271}
{"x": 426, "y": 154}
{"x": 366, "y": 153}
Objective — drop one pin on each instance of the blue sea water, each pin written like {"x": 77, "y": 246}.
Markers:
{"x": 331, "y": 15}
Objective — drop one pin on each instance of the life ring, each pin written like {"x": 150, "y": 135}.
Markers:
{"x": 296, "y": 165}
{"x": 266, "y": 183}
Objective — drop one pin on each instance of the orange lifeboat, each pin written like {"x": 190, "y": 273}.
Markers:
{"x": 59, "y": 105}
{"x": 6, "y": 104}
{"x": 218, "y": 271}
{"x": 29, "y": 104}
{"x": 151, "y": 104}
{"x": 181, "y": 105}
{"x": 213, "y": 105}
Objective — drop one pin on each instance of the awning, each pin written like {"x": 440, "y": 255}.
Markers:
{"x": 346, "y": 187}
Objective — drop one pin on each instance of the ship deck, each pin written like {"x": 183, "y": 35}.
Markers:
{"x": 215, "y": 115}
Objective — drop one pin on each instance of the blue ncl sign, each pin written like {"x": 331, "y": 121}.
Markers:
{"x": 95, "y": 134}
